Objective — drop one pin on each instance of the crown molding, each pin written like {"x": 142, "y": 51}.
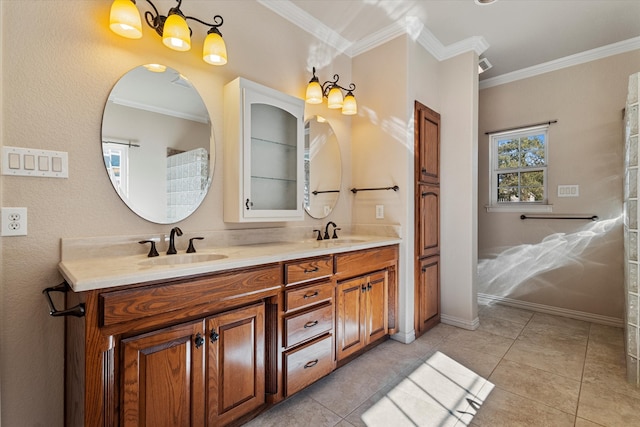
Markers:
{"x": 412, "y": 26}
{"x": 302, "y": 19}
{"x": 558, "y": 64}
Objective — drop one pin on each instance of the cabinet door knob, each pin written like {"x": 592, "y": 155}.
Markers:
{"x": 311, "y": 364}
{"x": 199, "y": 341}
{"x": 311, "y": 324}
{"x": 363, "y": 289}
{"x": 214, "y": 336}
{"x": 369, "y": 286}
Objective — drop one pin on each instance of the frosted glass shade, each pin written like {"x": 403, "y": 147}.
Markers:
{"x": 214, "y": 51}
{"x": 176, "y": 34}
{"x": 124, "y": 19}
{"x": 349, "y": 107}
{"x": 314, "y": 93}
{"x": 334, "y": 100}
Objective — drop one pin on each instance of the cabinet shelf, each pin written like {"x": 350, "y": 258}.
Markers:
{"x": 268, "y": 141}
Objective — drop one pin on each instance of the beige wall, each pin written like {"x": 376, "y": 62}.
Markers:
{"x": 568, "y": 265}
{"x": 383, "y": 156}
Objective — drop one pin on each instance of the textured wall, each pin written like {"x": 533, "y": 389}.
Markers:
{"x": 569, "y": 265}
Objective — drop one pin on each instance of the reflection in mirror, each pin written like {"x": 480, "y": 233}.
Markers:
{"x": 157, "y": 143}
{"x": 322, "y": 168}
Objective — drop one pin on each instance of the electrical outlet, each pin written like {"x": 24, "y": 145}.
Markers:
{"x": 14, "y": 221}
{"x": 379, "y": 211}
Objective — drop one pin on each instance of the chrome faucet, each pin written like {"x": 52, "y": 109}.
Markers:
{"x": 172, "y": 246}
{"x": 326, "y": 230}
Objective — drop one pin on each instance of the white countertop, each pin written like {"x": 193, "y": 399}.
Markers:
{"x": 99, "y": 272}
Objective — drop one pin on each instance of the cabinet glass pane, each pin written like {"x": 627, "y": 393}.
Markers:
{"x": 273, "y": 158}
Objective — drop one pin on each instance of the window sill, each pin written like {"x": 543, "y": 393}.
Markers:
{"x": 520, "y": 207}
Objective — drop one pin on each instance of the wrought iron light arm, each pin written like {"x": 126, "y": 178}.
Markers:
{"x": 330, "y": 84}
{"x": 156, "y": 21}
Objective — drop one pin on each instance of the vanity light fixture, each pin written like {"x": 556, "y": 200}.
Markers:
{"x": 333, "y": 91}
{"x": 175, "y": 32}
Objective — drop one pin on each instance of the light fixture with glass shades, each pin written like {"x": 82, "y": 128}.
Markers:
{"x": 333, "y": 91}
{"x": 175, "y": 32}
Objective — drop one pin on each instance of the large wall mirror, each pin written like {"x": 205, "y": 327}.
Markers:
{"x": 322, "y": 168}
{"x": 157, "y": 143}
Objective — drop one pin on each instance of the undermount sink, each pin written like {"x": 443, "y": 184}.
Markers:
{"x": 182, "y": 259}
{"x": 339, "y": 241}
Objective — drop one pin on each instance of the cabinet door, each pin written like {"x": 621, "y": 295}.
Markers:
{"x": 427, "y": 144}
{"x": 428, "y": 294}
{"x": 376, "y": 306}
{"x": 429, "y": 220}
{"x": 350, "y": 331}
{"x": 264, "y": 154}
{"x": 163, "y": 377}
{"x": 236, "y": 363}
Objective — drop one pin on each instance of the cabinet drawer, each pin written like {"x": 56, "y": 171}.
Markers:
{"x": 222, "y": 289}
{"x": 308, "y": 325}
{"x": 303, "y": 271}
{"x": 309, "y": 295}
{"x": 356, "y": 263}
{"x": 308, "y": 364}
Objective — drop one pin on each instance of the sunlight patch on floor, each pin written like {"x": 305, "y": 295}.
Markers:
{"x": 439, "y": 392}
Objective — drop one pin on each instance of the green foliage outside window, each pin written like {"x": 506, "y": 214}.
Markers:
{"x": 521, "y": 162}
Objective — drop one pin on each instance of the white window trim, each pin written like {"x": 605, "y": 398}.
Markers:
{"x": 520, "y": 207}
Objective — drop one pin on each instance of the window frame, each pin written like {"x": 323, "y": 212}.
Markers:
{"x": 519, "y": 206}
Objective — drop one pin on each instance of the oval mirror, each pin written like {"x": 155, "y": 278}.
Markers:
{"x": 157, "y": 143}
{"x": 322, "y": 168}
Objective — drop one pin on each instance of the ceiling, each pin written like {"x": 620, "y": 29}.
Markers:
{"x": 512, "y": 34}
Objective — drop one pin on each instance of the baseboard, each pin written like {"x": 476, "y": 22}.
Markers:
{"x": 404, "y": 337}
{"x": 460, "y": 323}
{"x": 556, "y": 311}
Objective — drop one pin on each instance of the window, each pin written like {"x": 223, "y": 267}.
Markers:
{"x": 519, "y": 169}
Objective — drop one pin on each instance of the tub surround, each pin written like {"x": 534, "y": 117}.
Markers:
{"x": 106, "y": 262}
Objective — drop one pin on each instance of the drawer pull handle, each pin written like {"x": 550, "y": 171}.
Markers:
{"x": 311, "y": 324}
{"x": 306, "y": 296}
{"x": 311, "y": 364}
{"x": 311, "y": 270}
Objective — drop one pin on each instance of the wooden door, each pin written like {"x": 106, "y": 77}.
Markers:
{"x": 236, "y": 363}
{"x": 376, "y": 306}
{"x": 427, "y": 144}
{"x": 429, "y": 220}
{"x": 163, "y": 381}
{"x": 429, "y": 294}
{"x": 350, "y": 331}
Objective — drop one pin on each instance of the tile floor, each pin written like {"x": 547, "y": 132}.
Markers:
{"x": 528, "y": 369}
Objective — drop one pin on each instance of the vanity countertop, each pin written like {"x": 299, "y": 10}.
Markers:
{"x": 99, "y": 272}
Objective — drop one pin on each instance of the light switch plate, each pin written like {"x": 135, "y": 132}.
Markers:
{"x": 33, "y": 162}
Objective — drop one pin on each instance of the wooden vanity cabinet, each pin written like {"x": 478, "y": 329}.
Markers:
{"x": 366, "y": 303}
{"x": 168, "y": 374}
{"x": 192, "y": 351}
{"x": 216, "y": 349}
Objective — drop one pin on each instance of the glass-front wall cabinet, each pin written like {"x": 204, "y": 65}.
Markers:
{"x": 264, "y": 148}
